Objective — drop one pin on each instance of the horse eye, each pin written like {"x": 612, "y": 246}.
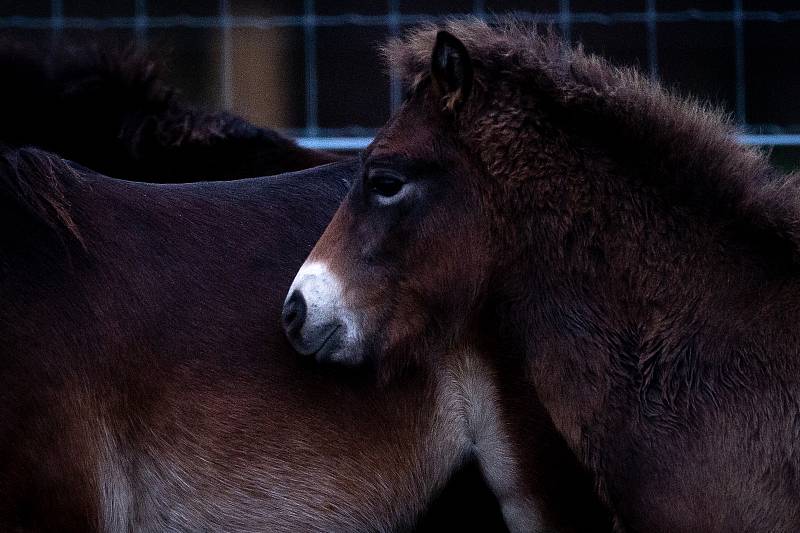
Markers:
{"x": 385, "y": 185}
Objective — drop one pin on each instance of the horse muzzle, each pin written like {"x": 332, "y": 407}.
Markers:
{"x": 309, "y": 337}
{"x": 314, "y": 319}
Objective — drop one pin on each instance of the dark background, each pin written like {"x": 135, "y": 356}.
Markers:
{"x": 310, "y": 67}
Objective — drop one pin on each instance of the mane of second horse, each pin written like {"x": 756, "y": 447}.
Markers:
{"x": 112, "y": 111}
{"x": 32, "y": 194}
{"x": 689, "y": 149}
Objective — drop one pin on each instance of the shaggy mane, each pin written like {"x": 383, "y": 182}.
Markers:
{"x": 684, "y": 145}
{"x": 119, "y": 92}
{"x": 110, "y": 78}
{"x": 32, "y": 185}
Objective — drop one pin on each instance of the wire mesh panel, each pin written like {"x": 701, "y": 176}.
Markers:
{"x": 311, "y": 67}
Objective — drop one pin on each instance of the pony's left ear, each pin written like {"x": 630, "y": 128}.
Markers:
{"x": 451, "y": 70}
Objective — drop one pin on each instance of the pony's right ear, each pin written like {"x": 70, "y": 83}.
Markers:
{"x": 451, "y": 70}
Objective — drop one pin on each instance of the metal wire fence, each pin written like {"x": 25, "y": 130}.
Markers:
{"x": 733, "y": 52}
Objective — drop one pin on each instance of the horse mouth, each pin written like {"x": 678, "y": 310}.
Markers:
{"x": 318, "y": 347}
{"x": 326, "y": 346}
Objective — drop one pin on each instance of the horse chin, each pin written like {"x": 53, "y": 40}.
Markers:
{"x": 330, "y": 340}
{"x": 342, "y": 356}
{"x": 339, "y": 349}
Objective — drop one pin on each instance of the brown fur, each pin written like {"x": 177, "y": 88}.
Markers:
{"x": 143, "y": 389}
{"x": 616, "y": 239}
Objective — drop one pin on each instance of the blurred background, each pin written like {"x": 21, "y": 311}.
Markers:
{"x": 309, "y": 68}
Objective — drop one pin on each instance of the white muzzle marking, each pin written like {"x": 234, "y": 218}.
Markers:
{"x": 325, "y": 304}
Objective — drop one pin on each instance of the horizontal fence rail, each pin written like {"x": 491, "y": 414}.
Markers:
{"x": 355, "y": 19}
{"x": 308, "y": 19}
{"x": 359, "y": 143}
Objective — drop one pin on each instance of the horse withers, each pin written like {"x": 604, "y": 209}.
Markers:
{"x": 611, "y": 239}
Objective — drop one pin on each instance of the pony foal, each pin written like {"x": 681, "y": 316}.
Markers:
{"x": 615, "y": 241}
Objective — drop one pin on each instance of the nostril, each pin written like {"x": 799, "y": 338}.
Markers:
{"x": 294, "y": 311}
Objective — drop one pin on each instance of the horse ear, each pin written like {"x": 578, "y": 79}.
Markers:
{"x": 451, "y": 70}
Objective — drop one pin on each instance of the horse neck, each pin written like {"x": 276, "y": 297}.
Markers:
{"x": 475, "y": 415}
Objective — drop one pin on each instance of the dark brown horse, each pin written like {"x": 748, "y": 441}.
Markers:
{"x": 113, "y": 112}
{"x": 105, "y": 98}
{"x": 640, "y": 266}
{"x": 141, "y": 387}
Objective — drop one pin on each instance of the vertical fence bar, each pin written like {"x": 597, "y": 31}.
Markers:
{"x": 140, "y": 23}
{"x": 395, "y": 89}
{"x": 652, "y": 39}
{"x": 226, "y": 54}
{"x": 738, "y": 29}
{"x": 56, "y": 20}
{"x": 310, "y": 46}
{"x": 565, "y": 20}
{"x": 479, "y": 8}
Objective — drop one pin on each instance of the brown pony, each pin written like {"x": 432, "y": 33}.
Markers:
{"x": 641, "y": 267}
{"x": 141, "y": 388}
